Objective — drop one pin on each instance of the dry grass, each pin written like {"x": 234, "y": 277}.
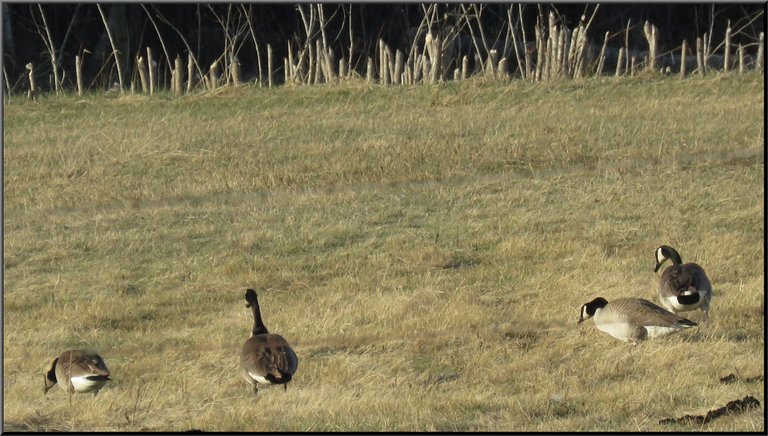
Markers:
{"x": 425, "y": 250}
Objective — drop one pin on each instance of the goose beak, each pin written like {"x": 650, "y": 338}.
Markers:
{"x": 581, "y": 320}
{"x": 658, "y": 265}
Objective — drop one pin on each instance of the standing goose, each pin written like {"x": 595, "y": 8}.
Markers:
{"x": 682, "y": 287}
{"x": 266, "y": 357}
{"x": 632, "y": 319}
{"x": 77, "y": 371}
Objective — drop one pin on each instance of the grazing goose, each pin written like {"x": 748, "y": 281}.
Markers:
{"x": 77, "y": 371}
{"x": 682, "y": 287}
{"x": 266, "y": 357}
{"x": 632, "y": 319}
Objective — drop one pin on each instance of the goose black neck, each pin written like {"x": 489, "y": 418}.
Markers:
{"x": 674, "y": 256}
{"x": 258, "y": 324}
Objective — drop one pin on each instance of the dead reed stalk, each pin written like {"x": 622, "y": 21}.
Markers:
{"x": 286, "y": 70}
{"x": 79, "y": 74}
{"x": 740, "y": 51}
{"x": 540, "y": 53}
{"x": 437, "y": 63}
{"x": 384, "y": 77}
{"x": 342, "y": 68}
{"x": 330, "y": 74}
{"x": 369, "y": 71}
{"x": 234, "y": 70}
{"x": 503, "y": 73}
{"x": 290, "y": 71}
{"x": 398, "y": 67}
{"x": 727, "y": 49}
{"x": 270, "y": 66}
{"x": 700, "y": 56}
{"x": 626, "y": 45}
{"x": 491, "y": 64}
{"x": 190, "y": 72}
{"x": 213, "y": 73}
{"x": 601, "y": 58}
{"x": 320, "y": 72}
{"x": 652, "y": 36}
{"x": 178, "y": 76}
{"x": 312, "y": 66}
{"x": 32, "y": 94}
{"x": 707, "y": 44}
{"x": 150, "y": 65}
{"x": 115, "y": 53}
{"x": 683, "y": 54}
{"x": 52, "y": 52}
{"x": 620, "y": 62}
{"x": 142, "y": 74}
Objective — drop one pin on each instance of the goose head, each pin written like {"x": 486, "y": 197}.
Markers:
{"x": 665, "y": 252}
{"x": 590, "y": 309}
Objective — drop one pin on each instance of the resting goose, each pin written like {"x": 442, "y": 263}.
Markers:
{"x": 632, "y": 319}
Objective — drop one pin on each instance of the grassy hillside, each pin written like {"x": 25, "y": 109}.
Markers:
{"x": 426, "y": 251}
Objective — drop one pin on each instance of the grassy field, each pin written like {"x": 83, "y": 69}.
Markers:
{"x": 426, "y": 251}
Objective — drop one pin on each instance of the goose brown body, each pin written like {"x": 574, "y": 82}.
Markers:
{"x": 682, "y": 286}
{"x": 78, "y": 371}
{"x": 266, "y": 358}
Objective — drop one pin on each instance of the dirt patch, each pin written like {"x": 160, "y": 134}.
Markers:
{"x": 732, "y": 408}
{"x": 733, "y": 378}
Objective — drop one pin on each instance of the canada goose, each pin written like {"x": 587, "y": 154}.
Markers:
{"x": 632, "y": 319}
{"x": 77, "y": 371}
{"x": 266, "y": 357}
{"x": 682, "y": 287}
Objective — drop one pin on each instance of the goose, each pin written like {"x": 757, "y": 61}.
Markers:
{"x": 682, "y": 286}
{"x": 632, "y": 319}
{"x": 77, "y": 371}
{"x": 266, "y": 357}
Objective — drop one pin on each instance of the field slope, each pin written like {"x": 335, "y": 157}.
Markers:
{"x": 426, "y": 250}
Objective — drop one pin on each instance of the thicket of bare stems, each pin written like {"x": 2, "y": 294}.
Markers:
{"x": 556, "y": 52}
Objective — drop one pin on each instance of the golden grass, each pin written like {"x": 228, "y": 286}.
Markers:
{"x": 426, "y": 250}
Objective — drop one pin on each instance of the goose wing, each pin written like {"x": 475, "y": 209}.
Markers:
{"x": 677, "y": 279}
{"x": 699, "y": 279}
{"x": 269, "y": 356}
{"x": 644, "y": 313}
{"x": 80, "y": 363}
